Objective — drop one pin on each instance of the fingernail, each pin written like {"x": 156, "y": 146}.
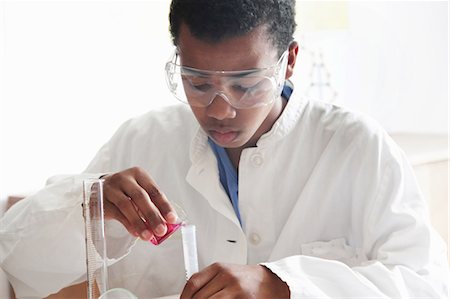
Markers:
{"x": 160, "y": 230}
{"x": 171, "y": 217}
{"x": 145, "y": 235}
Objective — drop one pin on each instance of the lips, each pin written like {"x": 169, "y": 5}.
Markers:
{"x": 223, "y": 136}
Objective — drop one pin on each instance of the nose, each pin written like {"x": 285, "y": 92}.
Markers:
{"x": 220, "y": 108}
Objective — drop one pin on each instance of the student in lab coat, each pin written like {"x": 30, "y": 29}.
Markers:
{"x": 290, "y": 197}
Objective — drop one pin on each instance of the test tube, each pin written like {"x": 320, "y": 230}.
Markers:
{"x": 189, "y": 249}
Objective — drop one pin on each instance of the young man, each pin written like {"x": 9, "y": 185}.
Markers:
{"x": 290, "y": 197}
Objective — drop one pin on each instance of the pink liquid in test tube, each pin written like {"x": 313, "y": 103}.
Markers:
{"x": 171, "y": 228}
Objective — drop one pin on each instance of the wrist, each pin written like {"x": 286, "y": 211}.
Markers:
{"x": 278, "y": 286}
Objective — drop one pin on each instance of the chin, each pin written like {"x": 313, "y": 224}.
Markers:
{"x": 231, "y": 145}
{"x": 240, "y": 144}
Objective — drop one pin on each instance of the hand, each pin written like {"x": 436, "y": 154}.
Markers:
{"x": 133, "y": 198}
{"x": 235, "y": 281}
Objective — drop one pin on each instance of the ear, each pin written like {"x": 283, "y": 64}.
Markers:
{"x": 293, "y": 51}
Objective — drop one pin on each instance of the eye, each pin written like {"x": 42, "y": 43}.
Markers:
{"x": 196, "y": 84}
{"x": 241, "y": 88}
{"x": 201, "y": 87}
{"x": 245, "y": 85}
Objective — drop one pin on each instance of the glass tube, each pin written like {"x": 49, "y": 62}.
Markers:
{"x": 96, "y": 258}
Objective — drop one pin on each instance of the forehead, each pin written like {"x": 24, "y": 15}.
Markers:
{"x": 249, "y": 51}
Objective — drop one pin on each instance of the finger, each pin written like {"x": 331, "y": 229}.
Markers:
{"x": 157, "y": 196}
{"x": 212, "y": 288}
{"x": 220, "y": 294}
{"x": 199, "y": 280}
{"x": 152, "y": 216}
{"x": 112, "y": 212}
{"x": 126, "y": 207}
{"x": 217, "y": 283}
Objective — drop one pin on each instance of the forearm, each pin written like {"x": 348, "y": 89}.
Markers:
{"x": 312, "y": 277}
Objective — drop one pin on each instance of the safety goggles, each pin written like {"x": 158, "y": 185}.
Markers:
{"x": 241, "y": 89}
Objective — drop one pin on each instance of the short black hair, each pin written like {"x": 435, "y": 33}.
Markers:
{"x": 215, "y": 20}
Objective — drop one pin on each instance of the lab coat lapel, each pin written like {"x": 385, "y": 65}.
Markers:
{"x": 203, "y": 176}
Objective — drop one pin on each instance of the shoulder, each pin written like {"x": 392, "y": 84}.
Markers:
{"x": 167, "y": 122}
{"x": 343, "y": 122}
{"x": 333, "y": 117}
{"x": 151, "y": 140}
{"x": 169, "y": 117}
{"x": 348, "y": 132}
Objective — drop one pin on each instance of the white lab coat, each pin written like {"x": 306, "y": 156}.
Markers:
{"x": 328, "y": 203}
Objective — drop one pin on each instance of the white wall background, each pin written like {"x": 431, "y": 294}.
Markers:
{"x": 388, "y": 59}
{"x": 72, "y": 71}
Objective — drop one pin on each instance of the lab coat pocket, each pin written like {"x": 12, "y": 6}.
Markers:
{"x": 337, "y": 250}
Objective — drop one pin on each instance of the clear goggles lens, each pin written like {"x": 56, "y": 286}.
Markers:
{"x": 241, "y": 89}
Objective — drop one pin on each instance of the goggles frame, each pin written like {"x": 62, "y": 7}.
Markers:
{"x": 172, "y": 69}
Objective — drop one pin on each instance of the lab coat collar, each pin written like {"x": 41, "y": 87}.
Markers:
{"x": 199, "y": 146}
{"x": 203, "y": 176}
{"x": 286, "y": 122}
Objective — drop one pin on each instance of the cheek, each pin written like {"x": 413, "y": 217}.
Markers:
{"x": 199, "y": 114}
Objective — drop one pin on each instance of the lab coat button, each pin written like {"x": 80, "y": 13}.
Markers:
{"x": 255, "y": 239}
{"x": 257, "y": 160}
